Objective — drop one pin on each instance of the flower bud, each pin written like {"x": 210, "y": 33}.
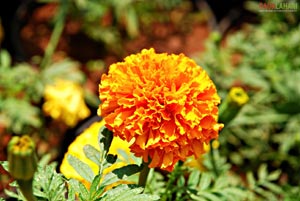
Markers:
{"x": 232, "y": 104}
{"x": 22, "y": 158}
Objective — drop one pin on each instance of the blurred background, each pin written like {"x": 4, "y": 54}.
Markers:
{"x": 53, "y": 53}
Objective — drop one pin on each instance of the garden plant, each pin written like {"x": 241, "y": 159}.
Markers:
{"x": 222, "y": 124}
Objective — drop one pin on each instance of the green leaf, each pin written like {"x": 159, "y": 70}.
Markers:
{"x": 272, "y": 187}
{"x": 92, "y": 153}
{"x": 95, "y": 191}
{"x": 44, "y": 160}
{"x": 234, "y": 193}
{"x": 194, "y": 178}
{"x": 79, "y": 188}
{"x": 127, "y": 170}
{"x": 250, "y": 180}
{"x": 66, "y": 69}
{"x": 81, "y": 168}
{"x": 5, "y": 59}
{"x": 71, "y": 194}
{"x": 181, "y": 181}
{"x": 105, "y": 138}
{"x": 262, "y": 172}
{"x": 111, "y": 158}
{"x": 132, "y": 22}
{"x": 274, "y": 175}
{"x": 205, "y": 181}
{"x": 197, "y": 198}
{"x": 126, "y": 193}
{"x": 266, "y": 194}
{"x": 109, "y": 178}
{"x": 4, "y": 164}
{"x": 210, "y": 196}
{"x": 48, "y": 184}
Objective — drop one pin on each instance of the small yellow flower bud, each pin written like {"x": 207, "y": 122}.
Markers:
{"x": 22, "y": 163}
{"x": 21, "y": 157}
{"x": 232, "y": 104}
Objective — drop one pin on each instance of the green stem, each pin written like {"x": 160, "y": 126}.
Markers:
{"x": 26, "y": 189}
{"x": 144, "y": 174}
{"x": 57, "y": 31}
{"x": 212, "y": 159}
{"x": 173, "y": 176}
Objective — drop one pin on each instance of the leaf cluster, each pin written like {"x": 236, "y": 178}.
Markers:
{"x": 109, "y": 21}
{"x": 22, "y": 89}
{"x": 111, "y": 186}
{"x": 264, "y": 60}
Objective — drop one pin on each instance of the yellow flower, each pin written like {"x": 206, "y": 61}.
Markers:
{"x": 64, "y": 101}
{"x": 90, "y": 136}
{"x": 238, "y": 96}
{"x": 166, "y": 106}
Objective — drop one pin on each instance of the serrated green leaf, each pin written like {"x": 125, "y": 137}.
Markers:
{"x": 250, "y": 180}
{"x": 221, "y": 182}
{"x": 95, "y": 192}
{"x": 181, "y": 181}
{"x": 109, "y": 178}
{"x": 79, "y": 188}
{"x": 194, "y": 178}
{"x": 66, "y": 69}
{"x": 81, "y": 168}
{"x": 197, "y": 198}
{"x": 125, "y": 193}
{"x": 210, "y": 196}
{"x": 274, "y": 175}
{"x": 127, "y": 170}
{"x": 92, "y": 153}
{"x": 11, "y": 194}
{"x": 205, "y": 181}
{"x": 71, "y": 194}
{"x": 262, "y": 172}
{"x": 266, "y": 194}
{"x": 234, "y": 193}
{"x": 272, "y": 187}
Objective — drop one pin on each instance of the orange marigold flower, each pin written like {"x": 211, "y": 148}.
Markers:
{"x": 165, "y": 105}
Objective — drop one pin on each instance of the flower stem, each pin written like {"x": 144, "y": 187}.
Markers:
{"x": 57, "y": 31}
{"x": 212, "y": 159}
{"x": 26, "y": 189}
{"x": 144, "y": 174}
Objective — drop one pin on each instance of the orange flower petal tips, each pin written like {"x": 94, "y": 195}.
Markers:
{"x": 165, "y": 105}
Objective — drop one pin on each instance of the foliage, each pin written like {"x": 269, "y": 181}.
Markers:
{"x": 22, "y": 89}
{"x": 109, "y": 21}
{"x": 50, "y": 185}
{"x": 259, "y": 153}
{"x": 264, "y": 60}
{"x": 186, "y": 183}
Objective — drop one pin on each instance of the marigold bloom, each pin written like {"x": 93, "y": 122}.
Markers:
{"x": 90, "y": 136}
{"x": 64, "y": 101}
{"x": 164, "y": 105}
